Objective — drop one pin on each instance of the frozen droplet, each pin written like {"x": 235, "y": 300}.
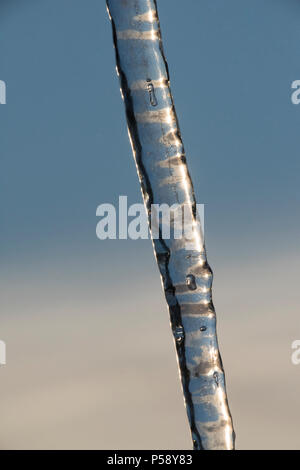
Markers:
{"x": 151, "y": 91}
{"x": 216, "y": 377}
{"x": 179, "y": 334}
{"x": 191, "y": 282}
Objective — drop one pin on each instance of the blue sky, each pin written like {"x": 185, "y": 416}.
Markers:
{"x": 65, "y": 147}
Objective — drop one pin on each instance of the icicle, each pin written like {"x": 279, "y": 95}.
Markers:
{"x": 160, "y": 159}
